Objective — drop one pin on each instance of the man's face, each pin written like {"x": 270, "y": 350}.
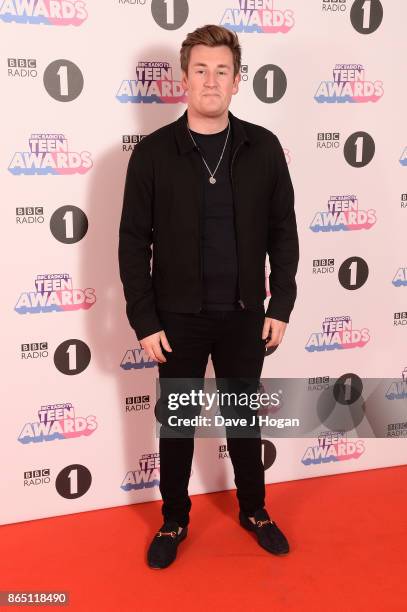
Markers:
{"x": 210, "y": 83}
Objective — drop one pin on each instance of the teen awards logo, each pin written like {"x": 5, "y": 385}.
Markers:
{"x": 49, "y": 154}
{"x": 349, "y": 84}
{"x": 343, "y": 214}
{"x": 46, "y": 12}
{"x": 333, "y": 446}
{"x": 57, "y": 422}
{"x": 398, "y": 388}
{"x": 258, "y": 16}
{"x": 337, "y": 333}
{"x": 137, "y": 358}
{"x": 400, "y": 278}
{"x": 403, "y": 158}
{"x": 146, "y": 477}
{"x": 54, "y": 293}
{"x": 154, "y": 82}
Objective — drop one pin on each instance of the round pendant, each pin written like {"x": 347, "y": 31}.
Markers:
{"x": 212, "y": 180}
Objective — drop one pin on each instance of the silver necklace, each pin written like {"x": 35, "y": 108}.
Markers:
{"x": 212, "y": 178}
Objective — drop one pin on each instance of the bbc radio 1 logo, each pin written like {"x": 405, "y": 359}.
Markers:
{"x": 154, "y": 82}
{"x": 146, "y": 476}
{"x": 400, "y": 318}
{"x": 57, "y": 422}
{"x": 136, "y": 359}
{"x": 22, "y": 67}
{"x": 54, "y": 293}
{"x": 68, "y": 223}
{"x": 45, "y": 12}
{"x": 49, "y": 154}
{"x": 261, "y": 16}
{"x": 403, "y": 158}
{"x": 334, "y": 6}
{"x": 398, "y": 388}
{"x": 328, "y": 140}
{"x": 137, "y": 403}
{"x": 244, "y": 72}
{"x": 129, "y": 141}
{"x": 168, "y": 14}
{"x": 366, "y": 15}
{"x": 37, "y": 477}
{"x": 397, "y": 430}
{"x": 318, "y": 383}
{"x": 400, "y": 278}
{"x": 72, "y": 357}
{"x": 343, "y": 214}
{"x": 358, "y": 150}
{"x": 29, "y": 215}
{"x": 352, "y": 274}
{"x": 270, "y": 83}
{"x": 349, "y": 84}
{"x": 323, "y": 266}
{"x": 62, "y": 79}
{"x": 337, "y": 333}
{"x": 34, "y": 350}
{"x": 333, "y": 446}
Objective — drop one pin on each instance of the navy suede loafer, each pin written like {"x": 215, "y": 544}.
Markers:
{"x": 269, "y": 536}
{"x": 163, "y": 548}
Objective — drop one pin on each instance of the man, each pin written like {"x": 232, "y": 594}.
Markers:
{"x": 211, "y": 194}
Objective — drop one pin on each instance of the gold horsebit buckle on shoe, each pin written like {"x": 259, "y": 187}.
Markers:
{"x": 261, "y": 523}
{"x": 173, "y": 534}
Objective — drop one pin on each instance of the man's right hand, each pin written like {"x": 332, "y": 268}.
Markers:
{"x": 151, "y": 344}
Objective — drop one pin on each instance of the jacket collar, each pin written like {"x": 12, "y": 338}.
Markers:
{"x": 184, "y": 140}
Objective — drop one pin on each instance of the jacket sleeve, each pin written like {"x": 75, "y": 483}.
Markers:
{"x": 135, "y": 240}
{"x": 283, "y": 246}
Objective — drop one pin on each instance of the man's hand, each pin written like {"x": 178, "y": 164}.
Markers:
{"x": 151, "y": 344}
{"x": 275, "y": 329}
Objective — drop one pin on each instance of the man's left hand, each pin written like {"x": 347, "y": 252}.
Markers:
{"x": 275, "y": 329}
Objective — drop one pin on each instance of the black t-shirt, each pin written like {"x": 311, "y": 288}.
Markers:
{"x": 218, "y": 239}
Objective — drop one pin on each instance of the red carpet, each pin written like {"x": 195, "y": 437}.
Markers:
{"x": 348, "y": 538}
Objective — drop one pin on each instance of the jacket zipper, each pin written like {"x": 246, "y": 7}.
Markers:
{"x": 234, "y": 208}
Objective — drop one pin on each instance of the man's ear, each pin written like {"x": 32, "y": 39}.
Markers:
{"x": 184, "y": 80}
{"x": 236, "y": 83}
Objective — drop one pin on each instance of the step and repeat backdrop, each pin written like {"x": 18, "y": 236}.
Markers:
{"x": 83, "y": 82}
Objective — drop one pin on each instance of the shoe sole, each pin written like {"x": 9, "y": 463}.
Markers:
{"x": 273, "y": 552}
{"x": 181, "y": 538}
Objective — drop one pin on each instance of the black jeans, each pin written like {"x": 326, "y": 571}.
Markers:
{"x": 233, "y": 339}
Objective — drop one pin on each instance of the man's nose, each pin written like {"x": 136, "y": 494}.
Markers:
{"x": 210, "y": 80}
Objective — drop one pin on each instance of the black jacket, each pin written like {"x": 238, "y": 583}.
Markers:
{"x": 163, "y": 197}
